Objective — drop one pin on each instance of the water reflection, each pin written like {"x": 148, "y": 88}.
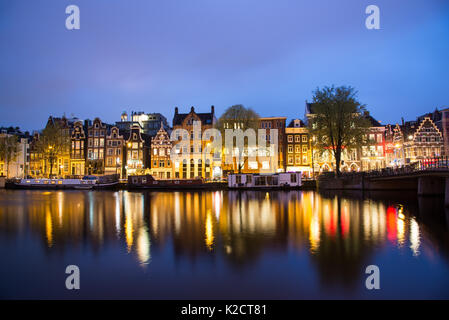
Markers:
{"x": 339, "y": 233}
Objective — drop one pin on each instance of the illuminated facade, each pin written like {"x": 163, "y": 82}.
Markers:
{"x": 373, "y": 152}
{"x": 161, "y": 166}
{"x": 192, "y": 163}
{"x": 276, "y": 123}
{"x": 297, "y": 148}
{"x": 95, "y": 147}
{"x": 416, "y": 140}
{"x": 115, "y": 143}
{"x": 137, "y": 151}
{"x": 78, "y": 150}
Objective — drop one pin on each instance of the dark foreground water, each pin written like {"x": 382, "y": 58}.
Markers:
{"x": 225, "y": 245}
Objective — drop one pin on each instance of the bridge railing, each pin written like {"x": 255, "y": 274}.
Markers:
{"x": 438, "y": 163}
{"x": 434, "y": 163}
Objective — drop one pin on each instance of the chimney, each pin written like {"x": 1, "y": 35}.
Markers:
{"x": 212, "y": 109}
{"x": 176, "y": 110}
{"x": 192, "y": 109}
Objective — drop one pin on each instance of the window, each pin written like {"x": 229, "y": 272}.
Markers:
{"x": 290, "y": 148}
{"x": 290, "y": 138}
{"x": 297, "y": 159}
{"x": 290, "y": 159}
{"x": 297, "y": 149}
{"x": 298, "y": 138}
{"x": 304, "y": 159}
{"x": 304, "y": 149}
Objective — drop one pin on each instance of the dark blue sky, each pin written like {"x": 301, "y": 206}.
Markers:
{"x": 269, "y": 55}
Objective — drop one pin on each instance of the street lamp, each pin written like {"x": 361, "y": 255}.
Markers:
{"x": 313, "y": 165}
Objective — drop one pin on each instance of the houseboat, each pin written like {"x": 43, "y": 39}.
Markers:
{"x": 86, "y": 183}
{"x": 54, "y": 184}
{"x": 284, "y": 180}
{"x": 148, "y": 182}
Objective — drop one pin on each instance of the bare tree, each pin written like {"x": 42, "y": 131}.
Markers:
{"x": 337, "y": 121}
{"x": 53, "y": 143}
{"x": 9, "y": 149}
{"x": 238, "y": 117}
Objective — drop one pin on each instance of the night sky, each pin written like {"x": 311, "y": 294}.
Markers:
{"x": 151, "y": 56}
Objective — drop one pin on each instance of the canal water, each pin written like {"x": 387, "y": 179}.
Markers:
{"x": 222, "y": 245}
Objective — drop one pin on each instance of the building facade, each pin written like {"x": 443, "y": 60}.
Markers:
{"x": 298, "y": 155}
{"x": 149, "y": 122}
{"x": 275, "y": 123}
{"x": 78, "y": 150}
{"x": 161, "y": 145}
{"x": 137, "y": 151}
{"x": 115, "y": 143}
{"x": 95, "y": 146}
{"x": 415, "y": 141}
{"x": 372, "y": 154}
{"x": 191, "y": 162}
{"x": 16, "y": 165}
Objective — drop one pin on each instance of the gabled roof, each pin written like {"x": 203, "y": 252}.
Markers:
{"x": 292, "y": 123}
{"x": 373, "y": 122}
{"x": 205, "y": 118}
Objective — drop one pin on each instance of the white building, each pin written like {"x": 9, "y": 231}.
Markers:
{"x": 16, "y": 167}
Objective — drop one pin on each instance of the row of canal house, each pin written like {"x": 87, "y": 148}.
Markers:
{"x": 141, "y": 143}
{"x": 418, "y": 140}
{"x": 93, "y": 147}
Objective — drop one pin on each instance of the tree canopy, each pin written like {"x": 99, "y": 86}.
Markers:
{"x": 238, "y": 117}
{"x": 53, "y": 143}
{"x": 9, "y": 149}
{"x": 337, "y": 121}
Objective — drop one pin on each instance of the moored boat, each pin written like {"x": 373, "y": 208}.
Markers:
{"x": 284, "y": 180}
{"x": 148, "y": 182}
{"x": 53, "y": 184}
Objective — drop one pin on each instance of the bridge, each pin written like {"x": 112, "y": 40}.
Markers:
{"x": 428, "y": 177}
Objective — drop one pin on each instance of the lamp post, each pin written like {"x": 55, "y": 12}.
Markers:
{"x": 313, "y": 165}
{"x": 50, "y": 158}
